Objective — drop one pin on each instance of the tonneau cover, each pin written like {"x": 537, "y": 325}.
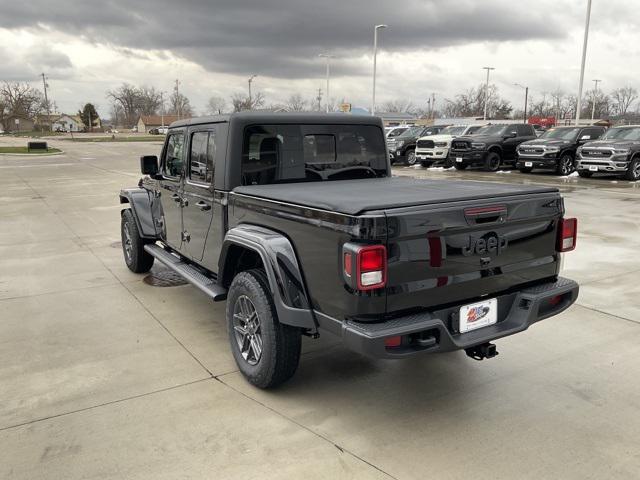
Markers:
{"x": 353, "y": 197}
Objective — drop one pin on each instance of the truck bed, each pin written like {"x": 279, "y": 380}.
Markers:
{"x": 353, "y": 197}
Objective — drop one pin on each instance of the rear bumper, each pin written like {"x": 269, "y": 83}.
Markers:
{"x": 435, "y": 332}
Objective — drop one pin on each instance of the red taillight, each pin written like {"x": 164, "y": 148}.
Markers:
{"x": 567, "y": 234}
{"x": 364, "y": 266}
{"x": 393, "y": 341}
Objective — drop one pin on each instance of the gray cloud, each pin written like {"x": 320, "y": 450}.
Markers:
{"x": 281, "y": 38}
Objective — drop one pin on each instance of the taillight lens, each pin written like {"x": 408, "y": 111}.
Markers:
{"x": 567, "y": 234}
{"x": 364, "y": 266}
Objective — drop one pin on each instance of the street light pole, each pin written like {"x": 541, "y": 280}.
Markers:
{"x": 526, "y": 99}
{"x": 486, "y": 90}
{"x": 375, "y": 53}
{"x": 250, "y": 100}
{"x": 584, "y": 59}
{"x": 328, "y": 58}
{"x": 595, "y": 97}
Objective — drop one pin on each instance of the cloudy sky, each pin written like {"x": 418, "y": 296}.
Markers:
{"x": 87, "y": 47}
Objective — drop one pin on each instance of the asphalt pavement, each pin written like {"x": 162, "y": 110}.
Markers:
{"x": 106, "y": 375}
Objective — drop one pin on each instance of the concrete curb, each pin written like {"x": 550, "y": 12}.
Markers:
{"x": 32, "y": 154}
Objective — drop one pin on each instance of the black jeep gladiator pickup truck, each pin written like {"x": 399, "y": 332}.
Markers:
{"x": 555, "y": 149}
{"x": 295, "y": 220}
{"x": 491, "y": 146}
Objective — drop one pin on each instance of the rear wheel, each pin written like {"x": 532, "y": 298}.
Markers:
{"x": 633, "y": 174}
{"x": 411, "y": 157}
{"x": 266, "y": 352}
{"x": 135, "y": 256}
{"x": 492, "y": 162}
{"x": 565, "y": 165}
{"x": 585, "y": 173}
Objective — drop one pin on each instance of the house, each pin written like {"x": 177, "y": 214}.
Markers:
{"x": 392, "y": 119}
{"x": 68, "y": 123}
{"x": 18, "y": 123}
{"x": 147, "y": 122}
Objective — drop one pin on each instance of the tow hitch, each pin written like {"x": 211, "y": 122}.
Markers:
{"x": 480, "y": 352}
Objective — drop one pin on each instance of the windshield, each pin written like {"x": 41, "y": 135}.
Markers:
{"x": 453, "y": 131}
{"x": 492, "y": 130}
{"x": 312, "y": 153}
{"x": 412, "y": 132}
{"x": 623, "y": 134}
{"x": 561, "y": 133}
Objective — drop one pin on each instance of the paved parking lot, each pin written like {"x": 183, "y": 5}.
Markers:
{"x": 103, "y": 375}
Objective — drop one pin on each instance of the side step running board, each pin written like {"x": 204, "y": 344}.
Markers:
{"x": 190, "y": 273}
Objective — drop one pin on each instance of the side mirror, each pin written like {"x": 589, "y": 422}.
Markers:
{"x": 149, "y": 165}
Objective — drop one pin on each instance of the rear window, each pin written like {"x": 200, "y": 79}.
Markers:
{"x": 312, "y": 153}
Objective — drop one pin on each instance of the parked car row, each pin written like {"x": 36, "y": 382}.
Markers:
{"x": 403, "y": 147}
{"x": 587, "y": 150}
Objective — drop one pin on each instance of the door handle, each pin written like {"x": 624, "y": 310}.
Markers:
{"x": 203, "y": 206}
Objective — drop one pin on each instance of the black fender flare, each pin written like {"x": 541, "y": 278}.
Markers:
{"x": 497, "y": 147}
{"x": 140, "y": 202}
{"x": 283, "y": 271}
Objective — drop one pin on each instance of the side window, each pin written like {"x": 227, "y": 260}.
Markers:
{"x": 173, "y": 160}
{"x": 524, "y": 130}
{"x": 202, "y": 157}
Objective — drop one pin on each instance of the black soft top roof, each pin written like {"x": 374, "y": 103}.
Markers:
{"x": 353, "y": 197}
{"x": 249, "y": 118}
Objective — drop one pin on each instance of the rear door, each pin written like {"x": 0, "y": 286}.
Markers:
{"x": 457, "y": 252}
{"x": 172, "y": 169}
{"x": 198, "y": 193}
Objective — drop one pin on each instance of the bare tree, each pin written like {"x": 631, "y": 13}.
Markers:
{"x": 241, "y": 102}
{"x": 623, "y": 98}
{"x": 400, "y": 106}
{"x": 295, "y": 103}
{"x": 180, "y": 105}
{"x": 21, "y": 99}
{"x": 149, "y": 100}
{"x": 216, "y": 105}
{"x": 127, "y": 97}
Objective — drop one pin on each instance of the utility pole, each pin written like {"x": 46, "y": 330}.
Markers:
{"x": 486, "y": 90}
{"x": 584, "y": 59}
{"x": 433, "y": 106}
{"x": 162, "y": 108}
{"x": 46, "y": 99}
{"x": 319, "y": 98}
{"x": 178, "y": 102}
{"x": 375, "y": 54}
{"x": 595, "y": 97}
{"x": 526, "y": 99}
{"x": 250, "y": 106}
{"x": 328, "y": 57}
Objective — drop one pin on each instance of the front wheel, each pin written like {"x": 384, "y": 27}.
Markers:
{"x": 492, "y": 162}
{"x": 633, "y": 174}
{"x": 266, "y": 352}
{"x": 411, "y": 157}
{"x": 565, "y": 165}
{"x": 585, "y": 173}
{"x": 135, "y": 256}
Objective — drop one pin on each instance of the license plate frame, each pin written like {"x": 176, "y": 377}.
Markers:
{"x": 528, "y": 164}
{"x": 593, "y": 168}
{"x": 459, "y": 159}
{"x": 478, "y": 315}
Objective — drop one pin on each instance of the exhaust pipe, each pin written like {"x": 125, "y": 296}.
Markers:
{"x": 480, "y": 352}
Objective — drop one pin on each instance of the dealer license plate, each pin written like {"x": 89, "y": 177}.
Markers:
{"x": 528, "y": 164}
{"x": 478, "y": 315}
{"x": 459, "y": 159}
{"x": 593, "y": 168}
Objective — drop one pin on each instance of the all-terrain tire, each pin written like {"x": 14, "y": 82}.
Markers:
{"x": 136, "y": 258}
{"x": 280, "y": 344}
{"x": 633, "y": 174}
{"x": 492, "y": 162}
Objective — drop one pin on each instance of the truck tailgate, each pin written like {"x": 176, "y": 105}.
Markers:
{"x": 460, "y": 251}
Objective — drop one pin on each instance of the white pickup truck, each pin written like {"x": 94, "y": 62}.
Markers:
{"x": 435, "y": 148}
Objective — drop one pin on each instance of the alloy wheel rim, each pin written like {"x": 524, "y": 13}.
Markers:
{"x": 247, "y": 330}
{"x": 636, "y": 171}
{"x": 411, "y": 158}
{"x": 566, "y": 165}
{"x": 128, "y": 246}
